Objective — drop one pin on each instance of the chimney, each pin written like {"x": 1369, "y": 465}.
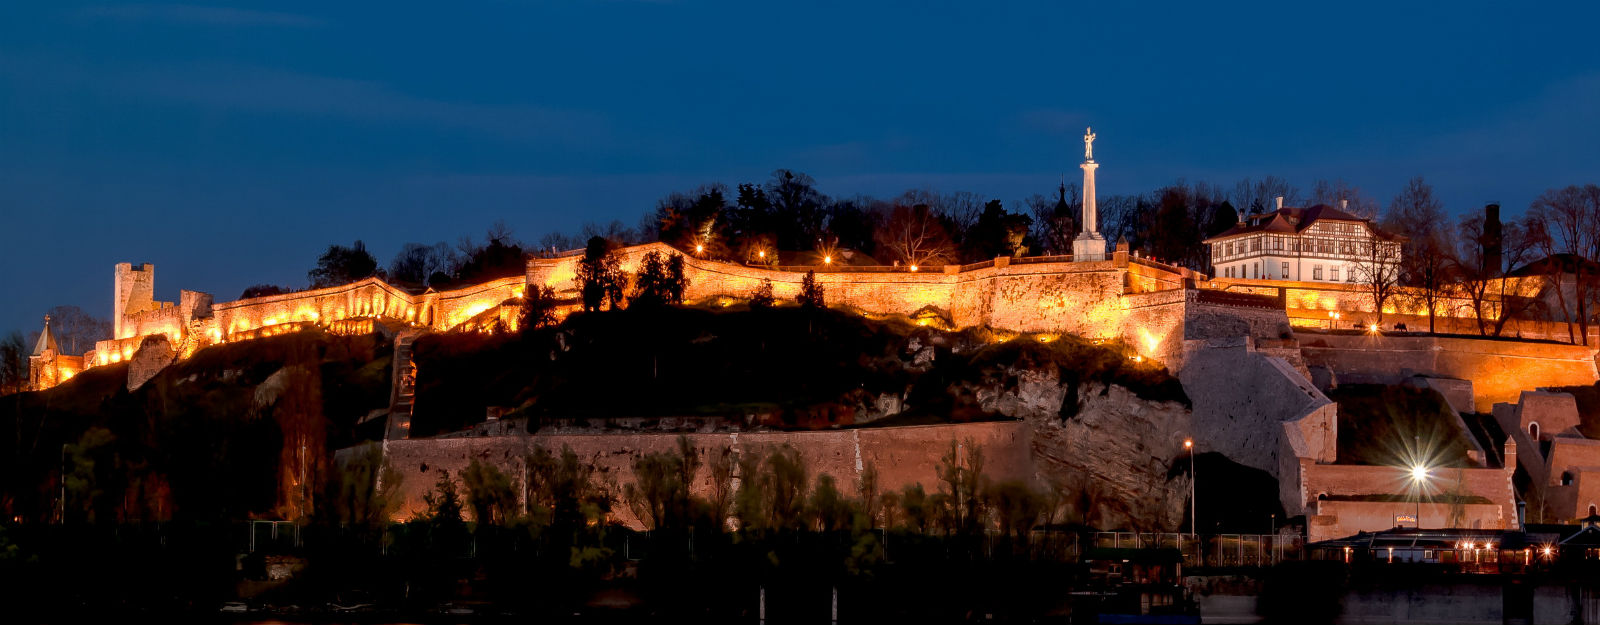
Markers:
{"x": 1280, "y": 202}
{"x": 1492, "y": 240}
{"x": 1344, "y": 204}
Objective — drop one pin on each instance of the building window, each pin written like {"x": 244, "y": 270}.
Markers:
{"x": 1350, "y": 276}
{"x": 1255, "y": 244}
{"x": 1533, "y": 431}
{"x": 1333, "y": 274}
{"x": 1255, "y": 269}
{"x": 1316, "y": 272}
{"x": 1286, "y": 270}
{"x": 1277, "y": 243}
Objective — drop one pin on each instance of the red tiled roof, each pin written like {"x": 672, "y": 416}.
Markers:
{"x": 1293, "y": 220}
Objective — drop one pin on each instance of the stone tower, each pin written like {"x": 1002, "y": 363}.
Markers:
{"x": 133, "y": 291}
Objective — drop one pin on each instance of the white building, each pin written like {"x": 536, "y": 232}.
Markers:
{"x": 1314, "y": 244}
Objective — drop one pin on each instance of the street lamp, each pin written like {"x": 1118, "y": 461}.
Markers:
{"x": 1419, "y": 477}
{"x": 1188, "y": 445}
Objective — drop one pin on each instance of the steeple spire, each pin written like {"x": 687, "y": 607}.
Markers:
{"x": 47, "y": 341}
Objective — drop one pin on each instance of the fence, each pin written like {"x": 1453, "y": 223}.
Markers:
{"x": 1221, "y": 550}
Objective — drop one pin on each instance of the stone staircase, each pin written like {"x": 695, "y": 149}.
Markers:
{"x": 402, "y": 397}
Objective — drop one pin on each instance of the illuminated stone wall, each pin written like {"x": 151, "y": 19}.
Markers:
{"x": 1091, "y": 299}
{"x": 196, "y": 321}
{"x": 902, "y": 455}
{"x": 1331, "y": 518}
{"x": 1499, "y": 369}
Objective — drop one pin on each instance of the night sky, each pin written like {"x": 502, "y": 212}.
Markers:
{"x": 230, "y": 145}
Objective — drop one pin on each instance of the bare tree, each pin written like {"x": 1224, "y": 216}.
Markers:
{"x": 13, "y": 363}
{"x": 915, "y": 236}
{"x": 1337, "y": 191}
{"x": 1427, "y": 259}
{"x": 1567, "y": 223}
{"x": 1482, "y": 281}
{"x": 1378, "y": 269}
{"x": 1260, "y": 195}
{"x": 1055, "y": 220}
{"x": 76, "y": 331}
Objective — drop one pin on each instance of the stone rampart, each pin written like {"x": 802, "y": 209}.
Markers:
{"x": 1499, "y": 369}
{"x": 1090, "y": 299}
{"x": 1336, "y": 507}
{"x": 902, "y": 455}
{"x": 1260, "y": 412}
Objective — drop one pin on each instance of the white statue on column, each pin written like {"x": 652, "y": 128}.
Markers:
{"x": 1089, "y": 246}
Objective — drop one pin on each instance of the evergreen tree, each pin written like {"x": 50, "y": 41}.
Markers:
{"x": 811, "y": 293}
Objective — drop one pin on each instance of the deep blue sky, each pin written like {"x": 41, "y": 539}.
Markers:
{"x": 230, "y": 145}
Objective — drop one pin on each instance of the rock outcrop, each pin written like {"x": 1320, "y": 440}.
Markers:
{"x": 1112, "y": 460}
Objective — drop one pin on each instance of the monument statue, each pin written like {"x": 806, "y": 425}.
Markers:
{"x": 1090, "y": 245}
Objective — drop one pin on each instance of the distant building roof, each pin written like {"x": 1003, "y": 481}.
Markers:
{"x": 1564, "y": 263}
{"x": 1294, "y": 220}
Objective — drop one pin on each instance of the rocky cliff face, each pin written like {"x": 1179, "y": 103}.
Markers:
{"x": 1112, "y": 460}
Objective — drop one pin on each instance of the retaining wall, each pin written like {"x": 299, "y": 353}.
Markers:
{"x": 1499, "y": 369}
{"x": 902, "y": 455}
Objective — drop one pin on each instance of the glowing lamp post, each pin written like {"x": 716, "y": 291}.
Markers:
{"x": 1419, "y": 478}
{"x": 1194, "y": 530}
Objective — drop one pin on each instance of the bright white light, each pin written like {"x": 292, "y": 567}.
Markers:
{"x": 1419, "y": 473}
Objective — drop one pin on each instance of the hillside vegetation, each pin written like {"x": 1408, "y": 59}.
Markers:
{"x": 793, "y": 367}
{"x": 201, "y": 440}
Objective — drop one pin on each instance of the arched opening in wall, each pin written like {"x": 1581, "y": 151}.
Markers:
{"x": 1592, "y": 510}
{"x": 1322, "y": 496}
{"x": 1533, "y": 431}
{"x": 1566, "y": 478}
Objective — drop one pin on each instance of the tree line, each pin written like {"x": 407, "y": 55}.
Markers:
{"x": 1557, "y": 237}
{"x": 756, "y": 490}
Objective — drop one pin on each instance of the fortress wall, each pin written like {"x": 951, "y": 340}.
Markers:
{"x": 1076, "y": 298}
{"x": 1153, "y": 323}
{"x": 1500, "y": 369}
{"x": 1246, "y": 405}
{"x": 1309, "y": 305}
{"x": 1335, "y": 519}
{"x": 902, "y": 455}
{"x": 1361, "y": 479}
{"x": 447, "y": 309}
{"x": 441, "y": 310}
{"x": 165, "y": 319}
